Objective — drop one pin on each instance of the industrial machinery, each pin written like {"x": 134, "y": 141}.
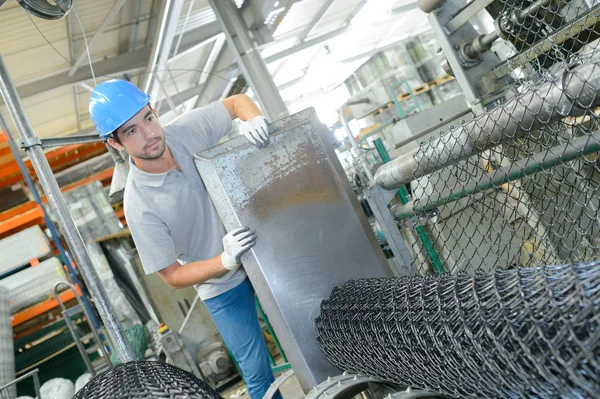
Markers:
{"x": 494, "y": 223}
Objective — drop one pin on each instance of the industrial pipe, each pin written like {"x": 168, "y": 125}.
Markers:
{"x": 567, "y": 152}
{"x": 65, "y": 220}
{"x": 568, "y": 95}
{"x": 520, "y": 16}
{"x": 431, "y": 128}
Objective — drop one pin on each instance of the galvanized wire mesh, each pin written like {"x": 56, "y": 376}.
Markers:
{"x": 514, "y": 333}
{"x": 146, "y": 380}
{"x": 545, "y": 210}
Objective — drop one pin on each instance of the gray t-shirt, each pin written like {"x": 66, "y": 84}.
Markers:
{"x": 170, "y": 215}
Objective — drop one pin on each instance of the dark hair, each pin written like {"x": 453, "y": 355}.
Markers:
{"x": 116, "y": 138}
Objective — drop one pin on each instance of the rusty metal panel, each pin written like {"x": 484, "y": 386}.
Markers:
{"x": 312, "y": 233}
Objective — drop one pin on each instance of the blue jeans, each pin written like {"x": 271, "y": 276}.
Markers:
{"x": 234, "y": 313}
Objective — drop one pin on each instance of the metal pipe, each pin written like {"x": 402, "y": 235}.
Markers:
{"x": 479, "y": 45}
{"x": 531, "y": 10}
{"x": 554, "y": 156}
{"x": 518, "y": 117}
{"x": 431, "y": 129}
{"x": 361, "y": 156}
{"x": 67, "y": 140}
{"x": 64, "y": 218}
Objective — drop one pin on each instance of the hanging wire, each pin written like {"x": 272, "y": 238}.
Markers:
{"x": 86, "y": 46}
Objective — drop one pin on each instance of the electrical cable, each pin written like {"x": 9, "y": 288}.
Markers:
{"x": 87, "y": 48}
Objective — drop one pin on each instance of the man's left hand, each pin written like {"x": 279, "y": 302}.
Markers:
{"x": 256, "y": 130}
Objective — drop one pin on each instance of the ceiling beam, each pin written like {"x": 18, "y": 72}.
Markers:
{"x": 114, "y": 66}
{"x": 110, "y": 67}
{"x": 219, "y": 57}
{"x": 320, "y": 14}
{"x": 164, "y": 46}
{"x": 306, "y": 44}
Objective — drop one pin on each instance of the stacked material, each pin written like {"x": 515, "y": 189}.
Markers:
{"x": 7, "y": 354}
{"x": 33, "y": 284}
{"x": 18, "y": 249}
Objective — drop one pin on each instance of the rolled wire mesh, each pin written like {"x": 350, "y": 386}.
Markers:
{"x": 513, "y": 333}
{"x": 143, "y": 379}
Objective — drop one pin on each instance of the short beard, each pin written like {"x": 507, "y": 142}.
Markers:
{"x": 148, "y": 157}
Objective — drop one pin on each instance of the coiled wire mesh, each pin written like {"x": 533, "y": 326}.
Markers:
{"x": 146, "y": 380}
{"x": 515, "y": 333}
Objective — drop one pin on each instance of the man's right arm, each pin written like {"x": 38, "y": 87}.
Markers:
{"x": 235, "y": 244}
{"x": 181, "y": 276}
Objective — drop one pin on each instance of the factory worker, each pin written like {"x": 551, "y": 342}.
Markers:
{"x": 172, "y": 220}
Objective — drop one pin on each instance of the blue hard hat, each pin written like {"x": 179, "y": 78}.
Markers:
{"x": 113, "y": 103}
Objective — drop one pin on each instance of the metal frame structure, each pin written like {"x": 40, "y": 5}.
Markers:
{"x": 68, "y": 313}
{"x": 57, "y": 202}
{"x": 36, "y": 384}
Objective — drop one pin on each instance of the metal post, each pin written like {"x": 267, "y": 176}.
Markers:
{"x": 49, "y": 223}
{"x": 362, "y": 158}
{"x": 248, "y": 57}
{"x": 432, "y": 254}
{"x": 65, "y": 220}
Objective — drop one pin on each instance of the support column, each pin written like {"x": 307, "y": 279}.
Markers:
{"x": 249, "y": 59}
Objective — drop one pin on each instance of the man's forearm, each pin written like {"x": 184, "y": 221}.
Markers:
{"x": 181, "y": 276}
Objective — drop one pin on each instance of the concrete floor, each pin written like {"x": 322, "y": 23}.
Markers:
{"x": 290, "y": 389}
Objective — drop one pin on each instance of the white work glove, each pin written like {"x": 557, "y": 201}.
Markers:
{"x": 236, "y": 243}
{"x": 256, "y": 130}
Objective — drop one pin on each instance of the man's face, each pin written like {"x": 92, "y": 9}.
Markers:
{"x": 141, "y": 136}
